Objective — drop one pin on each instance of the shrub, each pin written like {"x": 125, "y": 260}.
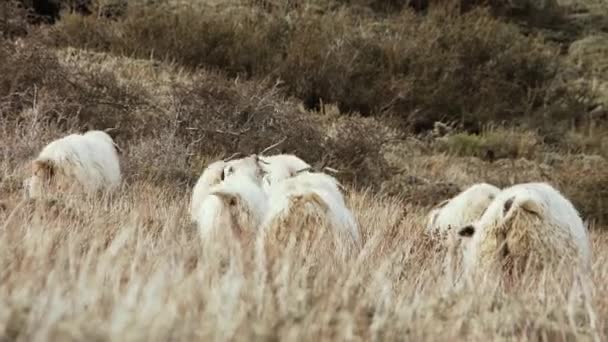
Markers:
{"x": 34, "y": 82}
{"x": 491, "y": 144}
{"x": 472, "y": 67}
{"x": 248, "y": 117}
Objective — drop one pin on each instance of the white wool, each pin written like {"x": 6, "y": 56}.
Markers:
{"x": 248, "y": 167}
{"x": 325, "y": 186}
{"x": 266, "y": 170}
{"x": 462, "y": 209}
{"x": 90, "y": 160}
{"x": 211, "y": 176}
{"x": 215, "y": 212}
{"x": 561, "y": 223}
{"x": 279, "y": 167}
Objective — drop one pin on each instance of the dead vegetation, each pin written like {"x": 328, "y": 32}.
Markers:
{"x": 470, "y": 67}
{"x": 354, "y": 85}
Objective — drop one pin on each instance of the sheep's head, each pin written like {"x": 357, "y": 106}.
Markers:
{"x": 249, "y": 167}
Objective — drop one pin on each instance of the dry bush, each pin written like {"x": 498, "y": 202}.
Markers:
{"x": 13, "y": 20}
{"x": 33, "y": 83}
{"x": 492, "y": 144}
{"x": 474, "y": 69}
{"x": 247, "y": 117}
{"x": 233, "y": 38}
{"x": 471, "y": 67}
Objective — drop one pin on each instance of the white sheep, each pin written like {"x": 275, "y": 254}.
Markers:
{"x": 266, "y": 170}
{"x": 279, "y": 167}
{"x": 212, "y": 175}
{"x": 301, "y": 204}
{"x": 89, "y": 161}
{"x": 249, "y": 166}
{"x": 236, "y": 204}
{"x": 530, "y": 225}
{"x": 462, "y": 209}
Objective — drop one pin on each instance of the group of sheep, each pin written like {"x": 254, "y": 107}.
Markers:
{"x": 530, "y": 225}
{"x": 261, "y": 197}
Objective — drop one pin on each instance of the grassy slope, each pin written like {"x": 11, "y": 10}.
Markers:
{"x": 131, "y": 267}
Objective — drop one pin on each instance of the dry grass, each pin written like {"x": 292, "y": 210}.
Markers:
{"x": 131, "y": 267}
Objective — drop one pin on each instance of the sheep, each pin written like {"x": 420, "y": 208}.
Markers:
{"x": 266, "y": 170}
{"x": 89, "y": 161}
{"x": 212, "y": 175}
{"x": 236, "y": 204}
{"x": 527, "y": 225}
{"x": 249, "y": 166}
{"x": 307, "y": 206}
{"x": 279, "y": 167}
{"x": 461, "y": 210}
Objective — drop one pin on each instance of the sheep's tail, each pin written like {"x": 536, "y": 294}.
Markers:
{"x": 13, "y": 213}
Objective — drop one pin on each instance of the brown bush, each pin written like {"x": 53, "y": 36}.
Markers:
{"x": 471, "y": 67}
{"x": 222, "y": 117}
{"x": 32, "y": 79}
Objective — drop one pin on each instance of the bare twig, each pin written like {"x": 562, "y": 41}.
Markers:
{"x": 234, "y": 155}
{"x": 236, "y": 134}
{"x": 272, "y": 146}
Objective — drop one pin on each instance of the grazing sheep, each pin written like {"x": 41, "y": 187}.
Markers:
{"x": 279, "y": 167}
{"x": 529, "y": 225}
{"x": 307, "y": 206}
{"x": 266, "y": 170}
{"x": 212, "y": 175}
{"x": 89, "y": 161}
{"x": 249, "y": 166}
{"x": 462, "y": 209}
{"x": 236, "y": 204}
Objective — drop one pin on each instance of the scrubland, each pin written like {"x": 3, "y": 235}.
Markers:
{"x": 411, "y": 106}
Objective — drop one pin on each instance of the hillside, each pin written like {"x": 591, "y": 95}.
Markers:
{"x": 411, "y": 105}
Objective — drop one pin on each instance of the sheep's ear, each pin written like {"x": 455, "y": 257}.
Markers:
{"x": 467, "y": 231}
{"x": 527, "y": 205}
{"x": 43, "y": 168}
{"x": 117, "y": 148}
{"x": 434, "y": 214}
{"x": 531, "y": 207}
{"x": 441, "y": 204}
{"x": 228, "y": 198}
{"x": 507, "y": 206}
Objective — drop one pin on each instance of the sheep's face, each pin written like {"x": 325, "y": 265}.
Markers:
{"x": 249, "y": 167}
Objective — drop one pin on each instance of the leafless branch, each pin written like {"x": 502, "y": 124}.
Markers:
{"x": 234, "y": 155}
{"x": 272, "y": 146}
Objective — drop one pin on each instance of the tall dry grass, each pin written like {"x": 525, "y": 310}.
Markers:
{"x": 129, "y": 266}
